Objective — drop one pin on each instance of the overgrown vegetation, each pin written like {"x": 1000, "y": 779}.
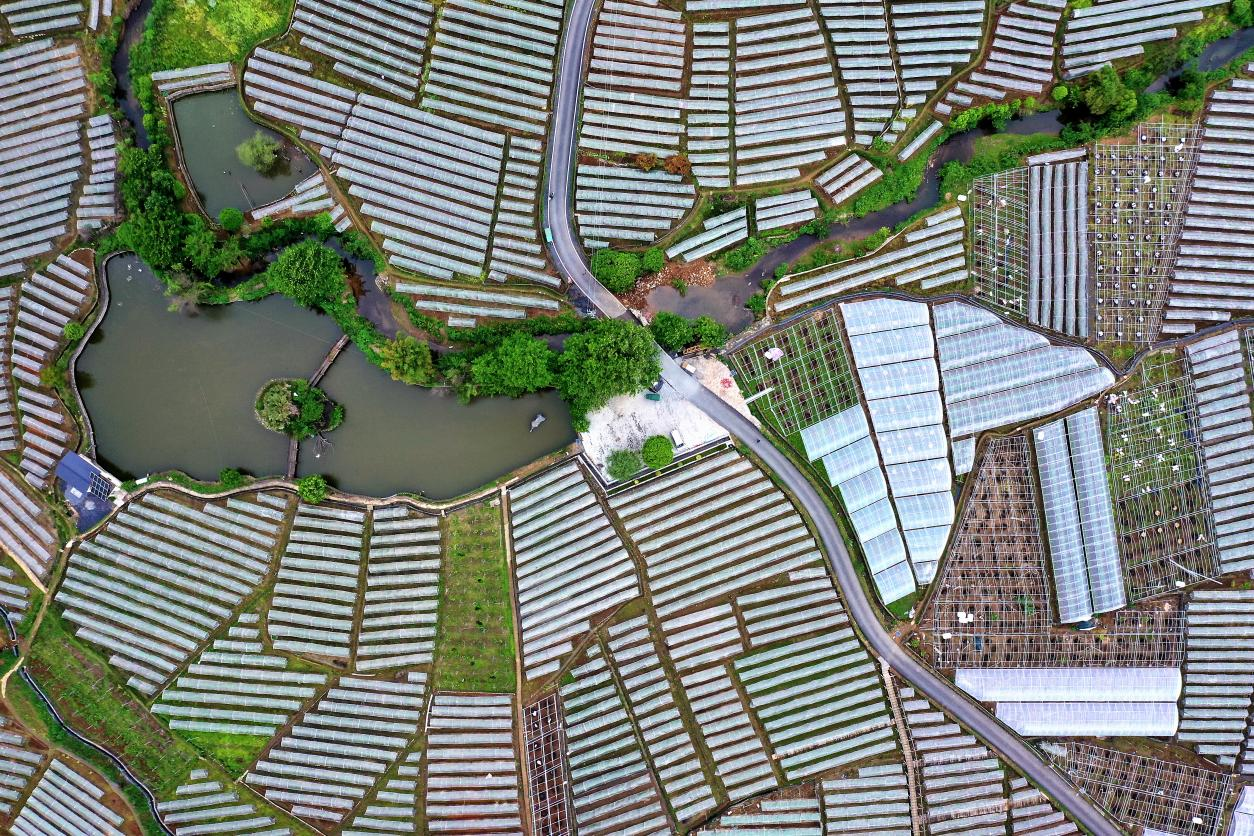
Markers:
{"x": 313, "y": 488}
{"x": 78, "y": 682}
{"x": 188, "y": 33}
{"x": 676, "y": 333}
{"x": 259, "y": 152}
{"x": 623, "y": 464}
{"x": 474, "y": 649}
{"x": 616, "y": 269}
{"x": 297, "y": 409}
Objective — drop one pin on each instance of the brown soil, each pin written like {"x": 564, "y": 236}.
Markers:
{"x": 698, "y": 273}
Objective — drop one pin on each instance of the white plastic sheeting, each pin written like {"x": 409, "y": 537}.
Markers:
{"x": 1087, "y": 719}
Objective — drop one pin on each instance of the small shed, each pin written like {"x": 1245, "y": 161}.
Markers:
{"x": 86, "y": 487}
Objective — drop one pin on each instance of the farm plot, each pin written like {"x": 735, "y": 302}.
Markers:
{"x": 996, "y": 374}
{"x": 235, "y": 688}
{"x": 616, "y": 203}
{"x": 1058, "y": 248}
{"x": 623, "y": 798}
{"x": 59, "y": 294}
{"x": 21, "y": 759}
{"x": 1162, "y": 506}
{"x": 862, "y": 46}
{"x": 874, "y": 801}
{"x": 42, "y": 107}
{"x": 544, "y": 732}
{"x": 1214, "y": 261}
{"x": 315, "y": 595}
{"x": 993, "y": 585}
{"x": 792, "y": 812}
{"x": 39, "y": 17}
{"x": 1139, "y": 191}
{"x": 494, "y": 64}
{"x": 1035, "y": 814}
{"x": 934, "y": 39}
{"x": 1219, "y": 676}
{"x": 393, "y": 809}
{"x": 930, "y": 255}
{"x": 646, "y": 689}
{"x": 472, "y": 773}
{"x": 9, "y": 428}
{"x": 708, "y": 119}
{"x": 631, "y": 94}
{"x": 1112, "y": 30}
{"x": 98, "y": 201}
{"x": 1079, "y": 518}
{"x": 804, "y": 369}
{"x": 570, "y": 565}
{"x": 163, "y": 575}
{"x": 1218, "y": 367}
{"x": 1155, "y": 793}
{"x": 27, "y": 532}
{"x": 848, "y": 178}
{"x": 184, "y": 80}
{"x": 964, "y": 789}
{"x": 1020, "y": 60}
{"x": 718, "y": 233}
{"x": 203, "y": 805}
{"x": 379, "y": 43}
{"x": 779, "y": 211}
{"x": 64, "y": 801}
{"x": 788, "y": 113}
{"x": 323, "y": 766}
{"x": 399, "y": 609}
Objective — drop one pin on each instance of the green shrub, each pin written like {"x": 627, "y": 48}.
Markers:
{"x": 231, "y": 478}
{"x": 1241, "y": 14}
{"x": 313, "y": 488}
{"x": 616, "y": 270}
{"x": 744, "y": 256}
{"x": 1061, "y": 92}
{"x": 658, "y": 452}
{"x": 309, "y": 273}
{"x": 672, "y": 331}
{"x": 259, "y": 152}
{"x": 709, "y": 332}
{"x": 74, "y": 331}
{"x": 623, "y": 464}
{"x": 756, "y": 303}
{"x": 231, "y": 219}
{"x": 654, "y": 260}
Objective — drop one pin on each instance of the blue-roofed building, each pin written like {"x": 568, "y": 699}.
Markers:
{"x": 86, "y": 487}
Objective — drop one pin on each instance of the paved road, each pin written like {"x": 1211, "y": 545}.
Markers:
{"x": 568, "y": 256}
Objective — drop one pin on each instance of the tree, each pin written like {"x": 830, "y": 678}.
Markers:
{"x": 654, "y": 260}
{"x": 232, "y": 478}
{"x": 1105, "y": 94}
{"x": 1061, "y": 92}
{"x": 678, "y": 164}
{"x": 231, "y": 219}
{"x": 612, "y": 357}
{"x": 709, "y": 332}
{"x": 623, "y": 464}
{"x": 518, "y": 365}
{"x": 646, "y": 161}
{"x": 313, "y": 488}
{"x": 73, "y": 331}
{"x": 407, "y": 360}
{"x": 297, "y": 409}
{"x": 1241, "y": 14}
{"x": 259, "y": 152}
{"x": 672, "y": 331}
{"x": 308, "y": 272}
{"x": 658, "y": 452}
{"x": 616, "y": 270}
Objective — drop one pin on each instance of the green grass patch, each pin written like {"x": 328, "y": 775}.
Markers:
{"x": 236, "y": 752}
{"x": 78, "y": 682}
{"x": 475, "y": 647}
{"x": 901, "y": 607}
{"x": 187, "y": 33}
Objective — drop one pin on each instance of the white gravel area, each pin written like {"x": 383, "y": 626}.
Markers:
{"x": 626, "y": 421}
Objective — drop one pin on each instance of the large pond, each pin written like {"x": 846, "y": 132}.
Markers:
{"x": 210, "y": 126}
{"x": 172, "y": 391}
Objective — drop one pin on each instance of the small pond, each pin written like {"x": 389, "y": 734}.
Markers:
{"x": 175, "y": 391}
{"x": 210, "y": 126}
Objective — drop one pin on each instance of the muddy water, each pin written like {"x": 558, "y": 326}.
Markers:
{"x": 210, "y": 126}
{"x": 132, "y": 31}
{"x": 173, "y": 391}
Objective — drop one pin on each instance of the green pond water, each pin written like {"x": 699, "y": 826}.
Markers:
{"x": 175, "y": 391}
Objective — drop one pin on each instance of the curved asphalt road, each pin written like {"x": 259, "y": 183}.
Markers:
{"x": 567, "y": 254}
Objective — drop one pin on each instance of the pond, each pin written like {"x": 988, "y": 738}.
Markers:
{"x": 210, "y": 126}
{"x": 172, "y": 391}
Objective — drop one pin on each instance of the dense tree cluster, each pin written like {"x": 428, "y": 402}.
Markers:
{"x": 297, "y": 409}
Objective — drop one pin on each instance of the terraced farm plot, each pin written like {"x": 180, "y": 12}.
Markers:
{"x": 203, "y": 804}
{"x": 1162, "y": 507}
{"x": 475, "y": 642}
{"x": 64, "y": 801}
{"x": 472, "y": 773}
{"x": 1219, "y": 677}
{"x": 27, "y": 531}
{"x": 21, "y": 759}
{"x": 401, "y": 595}
{"x": 1108, "y": 31}
{"x": 163, "y": 575}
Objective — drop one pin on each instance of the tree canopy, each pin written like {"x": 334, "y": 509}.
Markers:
{"x": 313, "y": 488}
{"x": 613, "y": 357}
{"x": 309, "y": 273}
{"x": 616, "y": 270}
{"x": 407, "y": 360}
{"x": 259, "y": 152}
{"x": 658, "y": 451}
{"x": 672, "y": 331}
{"x": 520, "y": 364}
